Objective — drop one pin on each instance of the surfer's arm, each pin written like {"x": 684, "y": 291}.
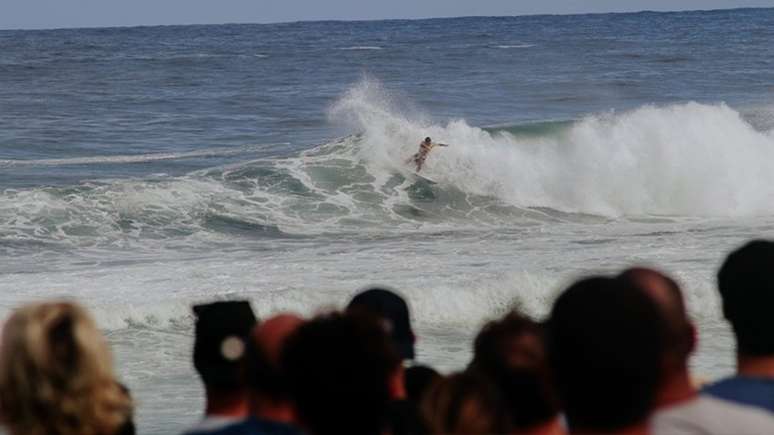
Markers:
{"x": 442, "y": 145}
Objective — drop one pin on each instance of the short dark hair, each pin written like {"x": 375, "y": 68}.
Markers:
{"x": 605, "y": 342}
{"x": 511, "y": 352}
{"x": 338, "y": 368}
{"x": 746, "y": 284}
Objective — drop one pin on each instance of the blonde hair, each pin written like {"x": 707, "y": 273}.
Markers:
{"x": 56, "y": 375}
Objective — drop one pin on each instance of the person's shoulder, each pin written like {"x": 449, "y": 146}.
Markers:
{"x": 745, "y": 390}
{"x": 709, "y": 415}
{"x": 710, "y": 405}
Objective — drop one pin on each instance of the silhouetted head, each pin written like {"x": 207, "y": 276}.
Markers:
{"x": 511, "y": 352}
{"x": 393, "y": 311}
{"x": 272, "y": 333}
{"x": 339, "y": 369}
{"x": 428, "y": 140}
{"x": 221, "y": 333}
{"x": 605, "y": 344}
{"x": 746, "y": 283}
{"x": 680, "y": 337}
{"x": 263, "y": 374}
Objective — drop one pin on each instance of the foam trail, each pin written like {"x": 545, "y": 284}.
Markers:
{"x": 133, "y": 158}
{"x": 686, "y": 159}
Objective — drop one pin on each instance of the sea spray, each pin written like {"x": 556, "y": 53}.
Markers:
{"x": 683, "y": 160}
{"x": 686, "y": 159}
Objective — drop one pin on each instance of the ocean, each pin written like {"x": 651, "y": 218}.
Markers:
{"x": 145, "y": 169}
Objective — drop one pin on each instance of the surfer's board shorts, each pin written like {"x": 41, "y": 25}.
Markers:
{"x": 420, "y": 157}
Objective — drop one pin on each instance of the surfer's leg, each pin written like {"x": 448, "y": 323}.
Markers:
{"x": 420, "y": 160}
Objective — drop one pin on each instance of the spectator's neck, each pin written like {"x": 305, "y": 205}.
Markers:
{"x": 271, "y": 410}
{"x": 226, "y": 404}
{"x": 677, "y": 388}
{"x": 397, "y": 384}
{"x": 755, "y": 366}
{"x": 552, "y": 427}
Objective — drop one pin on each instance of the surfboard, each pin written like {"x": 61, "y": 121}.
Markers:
{"x": 411, "y": 173}
{"x": 423, "y": 178}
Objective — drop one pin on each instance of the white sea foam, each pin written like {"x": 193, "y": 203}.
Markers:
{"x": 685, "y": 159}
{"x": 132, "y": 158}
{"x": 157, "y": 294}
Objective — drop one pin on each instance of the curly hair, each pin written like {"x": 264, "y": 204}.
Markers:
{"x": 56, "y": 375}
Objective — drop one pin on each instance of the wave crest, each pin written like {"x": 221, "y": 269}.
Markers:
{"x": 685, "y": 159}
{"x": 682, "y": 160}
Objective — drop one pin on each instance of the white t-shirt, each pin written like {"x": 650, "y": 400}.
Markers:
{"x": 707, "y": 415}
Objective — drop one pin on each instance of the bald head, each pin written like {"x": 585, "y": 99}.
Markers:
{"x": 265, "y": 379}
{"x": 271, "y": 334}
{"x": 665, "y": 292}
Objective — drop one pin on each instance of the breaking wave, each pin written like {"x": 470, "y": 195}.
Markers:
{"x": 685, "y": 159}
{"x": 680, "y": 160}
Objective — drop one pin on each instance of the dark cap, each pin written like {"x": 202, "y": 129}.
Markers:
{"x": 222, "y": 329}
{"x": 393, "y": 310}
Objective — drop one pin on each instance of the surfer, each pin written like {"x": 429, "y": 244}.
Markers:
{"x": 424, "y": 149}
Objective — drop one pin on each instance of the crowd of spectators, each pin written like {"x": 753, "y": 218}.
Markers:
{"x": 612, "y": 357}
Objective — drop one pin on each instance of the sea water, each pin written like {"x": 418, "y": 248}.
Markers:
{"x": 145, "y": 169}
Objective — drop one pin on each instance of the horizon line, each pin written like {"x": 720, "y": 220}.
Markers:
{"x": 366, "y": 20}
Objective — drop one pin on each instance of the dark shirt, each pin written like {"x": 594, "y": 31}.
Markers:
{"x": 745, "y": 390}
{"x": 254, "y": 426}
{"x": 403, "y": 419}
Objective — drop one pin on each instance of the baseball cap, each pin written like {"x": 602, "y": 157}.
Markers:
{"x": 393, "y": 310}
{"x": 221, "y": 333}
